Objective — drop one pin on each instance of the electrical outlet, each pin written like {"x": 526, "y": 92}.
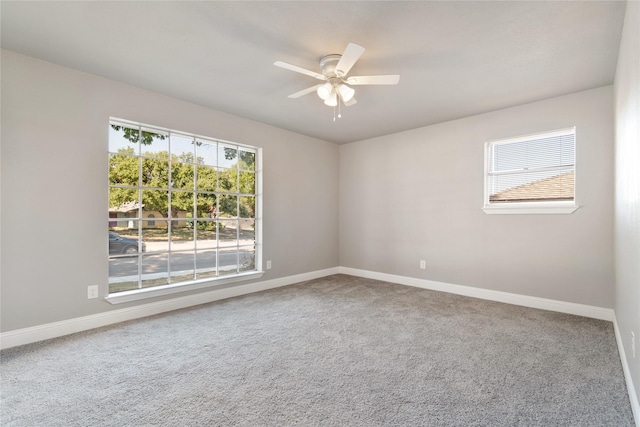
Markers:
{"x": 633, "y": 345}
{"x": 92, "y": 292}
{"x": 269, "y": 265}
{"x": 423, "y": 264}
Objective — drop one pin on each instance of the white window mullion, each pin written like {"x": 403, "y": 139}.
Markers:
{"x": 194, "y": 211}
{"x": 140, "y": 258}
{"x": 169, "y": 208}
{"x": 217, "y": 228}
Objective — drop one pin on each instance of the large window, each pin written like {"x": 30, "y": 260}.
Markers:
{"x": 531, "y": 174}
{"x": 182, "y": 208}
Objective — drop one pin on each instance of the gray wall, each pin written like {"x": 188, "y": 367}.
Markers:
{"x": 627, "y": 185}
{"x": 403, "y": 197}
{"x": 418, "y": 195}
{"x": 54, "y": 194}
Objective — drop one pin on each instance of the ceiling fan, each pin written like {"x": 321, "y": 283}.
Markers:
{"x": 337, "y": 86}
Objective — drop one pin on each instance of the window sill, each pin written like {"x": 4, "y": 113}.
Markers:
{"x": 530, "y": 209}
{"x": 156, "y": 291}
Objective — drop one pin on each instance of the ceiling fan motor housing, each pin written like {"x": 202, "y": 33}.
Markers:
{"x": 328, "y": 64}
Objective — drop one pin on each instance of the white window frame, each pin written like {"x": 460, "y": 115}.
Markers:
{"x": 155, "y": 291}
{"x": 518, "y": 208}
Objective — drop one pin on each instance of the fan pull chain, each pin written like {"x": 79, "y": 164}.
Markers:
{"x": 334, "y": 112}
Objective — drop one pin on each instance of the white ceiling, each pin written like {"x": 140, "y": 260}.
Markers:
{"x": 455, "y": 59}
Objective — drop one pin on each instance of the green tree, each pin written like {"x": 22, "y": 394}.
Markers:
{"x": 246, "y": 159}
{"x": 134, "y": 135}
{"x": 124, "y": 170}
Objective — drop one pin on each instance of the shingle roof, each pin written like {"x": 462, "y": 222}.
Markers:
{"x": 556, "y": 188}
{"x": 126, "y": 207}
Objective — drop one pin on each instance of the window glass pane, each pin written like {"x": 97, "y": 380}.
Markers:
{"x": 156, "y": 201}
{"x": 181, "y": 204}
{"x": 181, "y": 223}
{"x": 155, "y": 173}
{"x": 247, "y": 183}
{"x": 123, "y": 170}
{"x": 123, "y": 225}
{"x": 228, "y": 206}
{"x": 156, "y": 239}
{"x": 228, "y": 261}
{"x": 206, "y": 205}
{"x": 123, "y": 203}
{"x": 247, "y": 259}
{"x": 123, "y": 139}
{"x": 227, "y": 180}
{"x": 536, "y": 186}
{"x": 206, "y": 234}
{"x": 207, "y": 178}
{"x": 154, "y": 144}
{"x": 182, "y": 266}
{"x": 247, "y": 206}
{"x": 247, "y": 232}
{"x": 124, "y": 241}
{"x": 247, "y": 160}
{"x": 228, "y": 233}
{"x": 207, "y": 153}
{"x": 182, "y": 149}
{"x": 182, "y": 176}
{"x": 123, "y": 258}
{"x": 155, "y": 270}
{"x": 182, "y": 237}
{"x": 206, "y": 263}
{"x": 534, "y": 153}
{"x": 119, "y": 278}
{"x": 227, "y": 156}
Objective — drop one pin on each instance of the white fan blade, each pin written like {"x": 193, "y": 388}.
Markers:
{"x": 350, "y": 103}
{"x": 304, "y": 91}
{"x": 299, "y": 70}
{"x": 349, "y": 57}
{"x": 391, "y": 79}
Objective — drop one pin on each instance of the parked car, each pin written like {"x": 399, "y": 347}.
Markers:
{"x": 119, "y": 245}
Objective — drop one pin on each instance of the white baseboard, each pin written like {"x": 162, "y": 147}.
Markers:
{"x": 506, "y": 297}
{"x": 633, "y": 397}
{"x": 79, "y": 324}
{"x": 70, "y": 326}
{"x": 65, "y": 327}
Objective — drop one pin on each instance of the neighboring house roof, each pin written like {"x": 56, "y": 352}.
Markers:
{"x": 556, "y": 188}
{"x": 126, "y": 207}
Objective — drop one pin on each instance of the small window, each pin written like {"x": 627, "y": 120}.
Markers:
{"x": 531, "y": 174}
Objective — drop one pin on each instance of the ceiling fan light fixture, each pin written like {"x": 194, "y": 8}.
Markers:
{"x": 335, "y": 88}
{"x": 346, "y": 92}
{"x": 324, "y": 91}
{"x": 332, "y": 100}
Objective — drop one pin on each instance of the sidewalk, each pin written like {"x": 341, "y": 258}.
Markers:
{"x": 189, "y": 244}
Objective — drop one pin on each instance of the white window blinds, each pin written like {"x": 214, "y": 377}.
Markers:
{"x": 535, "y": 168}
